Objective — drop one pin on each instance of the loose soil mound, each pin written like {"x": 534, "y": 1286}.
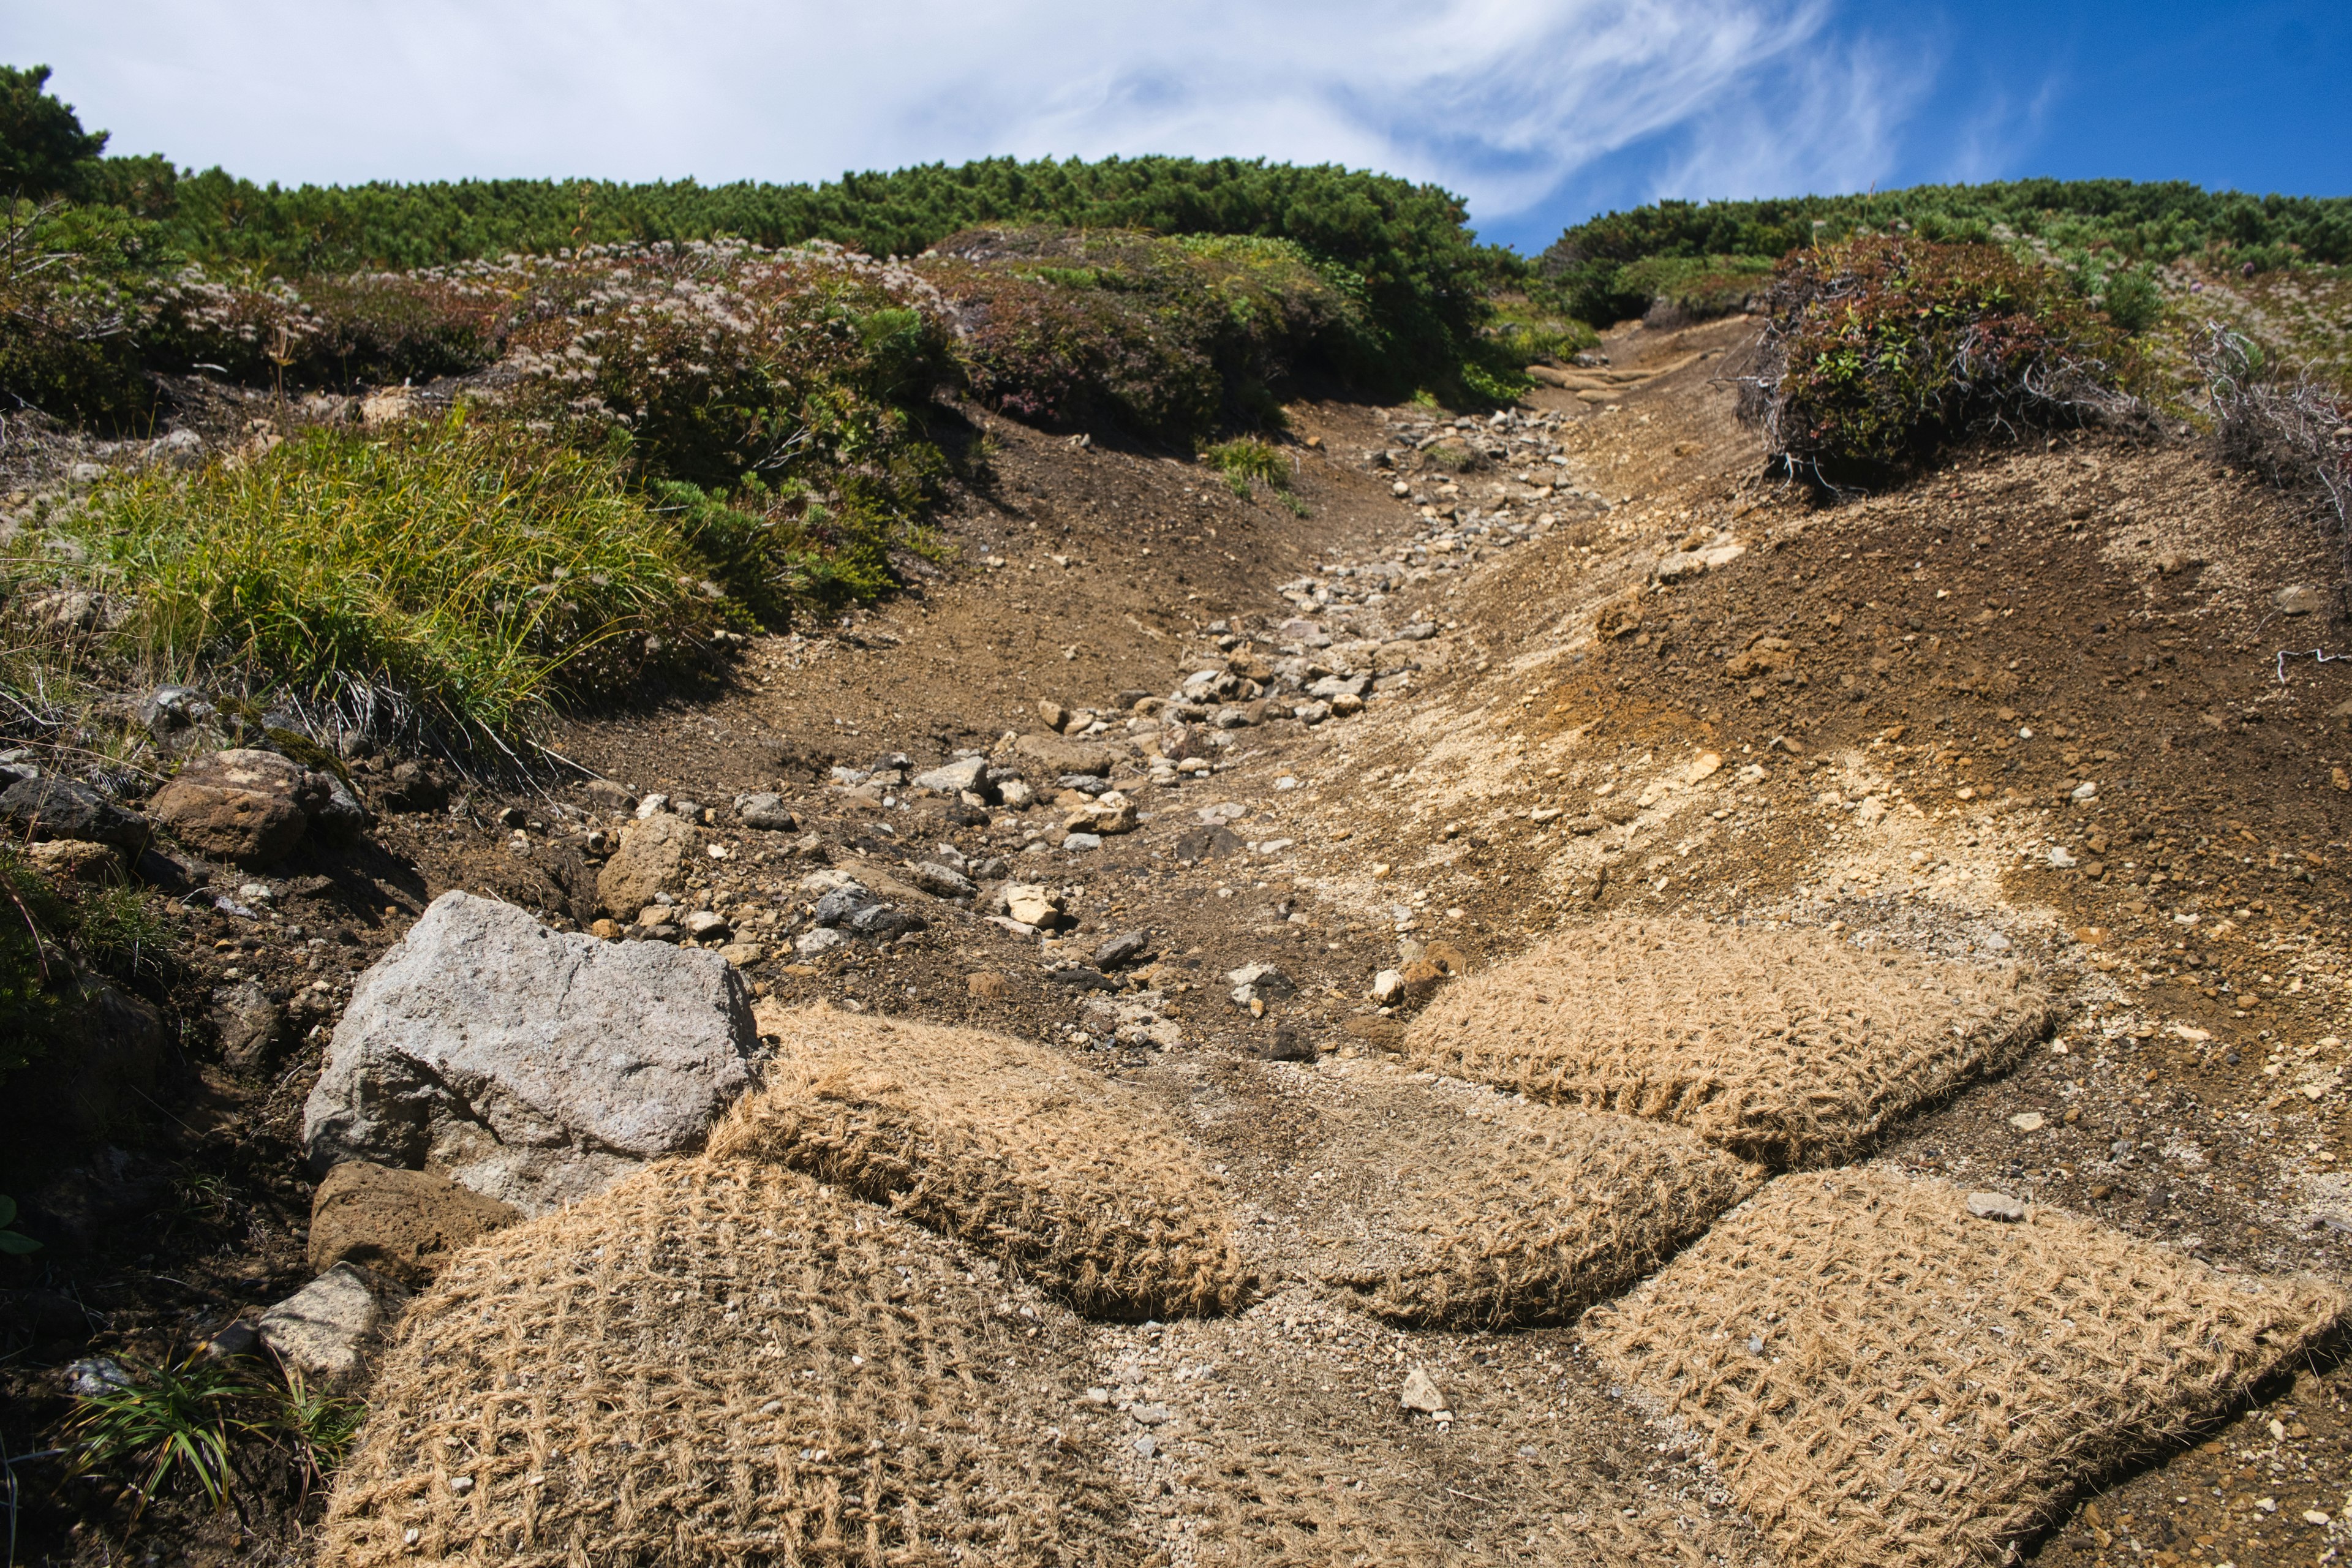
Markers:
{"x": 1529, "y": 1214}
{"x": 1086, "y": 1187}
{"x": 1783, "y": 1046}
{"x": 1883, "y": 1378}
{"x": 716, "y": 1361}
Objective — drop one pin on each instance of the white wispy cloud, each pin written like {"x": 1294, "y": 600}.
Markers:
{"x": 1503, "y": 101}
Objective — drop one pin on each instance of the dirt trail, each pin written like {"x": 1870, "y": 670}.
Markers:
{"x": 2029, "y": 708}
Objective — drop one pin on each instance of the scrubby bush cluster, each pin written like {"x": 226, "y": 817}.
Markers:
{"x": 1170, "y": 338}
{"x": 2103, "y": 234}
{"x": 1880, "y": 349}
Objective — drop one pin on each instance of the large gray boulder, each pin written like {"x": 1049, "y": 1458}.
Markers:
{"x": 536, "y": 1067}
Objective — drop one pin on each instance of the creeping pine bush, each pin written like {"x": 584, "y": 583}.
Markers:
{"x": 454, "y": 576}
{"x": 1881, "y": 349}
{"x": 75, "y": 294}
{"x": 1169, "y": 338}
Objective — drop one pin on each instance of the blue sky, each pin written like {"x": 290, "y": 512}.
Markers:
{"x": 1540, "y": 112}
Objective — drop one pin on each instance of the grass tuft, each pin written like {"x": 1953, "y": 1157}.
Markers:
{"x": 452, "y": 576}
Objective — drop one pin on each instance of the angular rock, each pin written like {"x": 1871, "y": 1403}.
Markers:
{"x": 1996, "y": 1206}
{"x": 1056, "y": 755}
{"x": 1108, "y": 813}
{"x": 703, "y": 925}
{"x": 48, "y": 808}
{"x": 79, "y": 860}
{"x": 1032, "y": 905}
{"x": 242, "y": 805}
{"x": 969, "y": 775}
{"x": 645, "y": 861}
{"x": 766, "y": 811}
{"x": 247, "y": 1024}
{"x": 1421, "y": 1393}
{"x": 1265, "y": 979}
{"x": 404, "y": 1225}
{"x": 412, "y": 786}
{"x": 333, "y": 1326}
{"x": 1125, "y": 948}
{"x": 340, "y": 818}
{"x": 535, "y": 1067}
{"x": 1083, "y": 979}
{"x": 742, "y": 954}
{"x": 943, "y": 881}
{"x": 825, "y": 939}
{"x": 841, "y": 902}
{"x": 882, "y": 919}
{"x": 1208, "y": 844}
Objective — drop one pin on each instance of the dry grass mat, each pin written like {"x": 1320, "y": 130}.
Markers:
{"x": 1086, "y": 1186}
{"x": 1784, "y": 1045}
{"x": 722, "y": 1362}
{"x": 1492, "y": 1215}
{"x": 1882, "y": 1378}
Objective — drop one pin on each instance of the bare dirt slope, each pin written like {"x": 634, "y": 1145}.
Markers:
{"x": 2045, "y": 705}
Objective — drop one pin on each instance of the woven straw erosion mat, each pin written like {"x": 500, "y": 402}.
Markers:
{"x": 722, "y": 1362}
{"x": 1881, "y": 1378}
{"x": 1086, "y": 1187}
{"x": 1499, "y": 1214}
{"x": 1787, "y": 1047}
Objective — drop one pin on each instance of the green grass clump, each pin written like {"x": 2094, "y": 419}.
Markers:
{"x": 184, "y": 1422}
{"x": 52, "y": 937}
{"x": 1247, "y": 459}
{"x": 456, "y": 576}
{"x": 1880, "y": 350}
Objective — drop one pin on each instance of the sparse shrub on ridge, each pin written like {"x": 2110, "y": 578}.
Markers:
{"x": 1879, "y": 350}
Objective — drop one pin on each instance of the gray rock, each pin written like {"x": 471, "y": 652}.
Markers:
{"x": 1997, "y": 1206}
{"x": 1083, "y": 979}
{"x": 1337, "y": 686}
{"x": 766, "y": 811}
{"x": 882, "y": 919}
{"x": 703, "y": 925}
{"x": 943, "y": 881}
{"x": 649, "y": 855}
{"x": 825, "y": 939}
{"x": 247, "y": 1023}
{"x": 2300, "y": 599}
{"x": 611, "y": 795}
{"x": 1148, "y": 1415}
{"x": 1421, "y": 1393}
{"x": 340, "y": 817}
{"x": 956, "y": 778}
{"x": 93, "y": 1376}
{"x": 1084, "y": 783}
{"x": 536, "y": 1067}
{"x": 1417, "y": 631}
{"x": 333, "y": 1326}
{"x": 45, "y": 806}
{"x": 1263, "y": 978}
{"x": 1125, "y": 948}
{"x": 170, "y": 708}
{"x": 1077, "y": 842}
{"x": 841, "y": 904}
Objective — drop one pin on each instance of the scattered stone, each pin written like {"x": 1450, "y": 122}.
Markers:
{"x": 247, "y": 1025}
{"x": 402, "y": 1224}
{"x": 1148, "y": 1415}
{"x": 172, "y": 707}
{"x": 332, "y": 1326}
{"x": 1288, "y": 1045}
{"x": 96, "y": 1375}
{"x": 535, "y": 1067}
{"x": 1057, "y": 717}
{"x": 1125, "y": 948}
{"x": 942, "y": 882}
{"x": 2300, "y": 599}
{"x": 651, "y": 851}
{"x": 969, "y": 776}
{"x": 611, "y": 795}
{"x": 412, "y": 786}
{"x": 79, "y": 860}
{"x": 41, "y": 807}
{"x": 2027, "y": 1121}
{"x": 1083, "y": 979}
{"x": 881, "y": 921}
{"x": 844, "y": 902}
{"x": 766, "y": 811}
{"x": 744, "y": 954}
{"x": 1032, "y": 905}
{"x": 825, "y": 939}
{"x": 1388, "y": 987}
{"x": 1208, "y": 844}
{"x": 705, "y": 925}
{"x": 246, "y": 806}
{"x": 1077, "y": 842}
{"x": 987, "y": 986}
{"x": 1996, "y": 1206}
{"x": 1421, "y": 1393}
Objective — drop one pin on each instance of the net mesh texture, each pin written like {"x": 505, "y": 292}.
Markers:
{"x": 1881, "y": 1377}
{"x": 1785, "y": 1046}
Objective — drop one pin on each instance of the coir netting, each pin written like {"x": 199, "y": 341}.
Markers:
{"x": 1527, "y": 1215}
{"x": 1882, "y": 1378}
{"x": 1785, "y": 1046}
{"x": 722, "y": 1362}
{"x": 1085, "y": 1186}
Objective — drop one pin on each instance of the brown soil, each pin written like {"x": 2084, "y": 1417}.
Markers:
{"x": 1952, "y": 662}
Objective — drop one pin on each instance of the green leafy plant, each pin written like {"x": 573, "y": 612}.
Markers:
{"x": 175, "y": 1422}
{"x": 1878, "y": 351}
{"x": 12, "y": 1243}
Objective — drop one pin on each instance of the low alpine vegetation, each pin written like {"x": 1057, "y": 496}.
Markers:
{"x": 1880, "y": 350}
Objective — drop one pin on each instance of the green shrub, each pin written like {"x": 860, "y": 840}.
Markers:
{"x": 2132, "y": 300}
{"x": 1170, "y": 338}
{"x": 44, "y": 150}
{"x": 76, "y": 293}
{"x": 1246, "y": 459}
{"x": 1697, "y": 288}
{"x": 458, "y": 575}
{"x": 1880, "y": 350}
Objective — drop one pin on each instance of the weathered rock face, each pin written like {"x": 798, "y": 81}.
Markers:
{"x": 245, "y": 806}
{"x": 247, "y": 1024}
{"x": 53, "y": 808}
{"x": 404, "y": 1225}
{"x": 332, "y": 1326}
{"x": 648, "y": 857}
{"x": 535, "y": 1067}
{"x": 1057, "y": 755}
